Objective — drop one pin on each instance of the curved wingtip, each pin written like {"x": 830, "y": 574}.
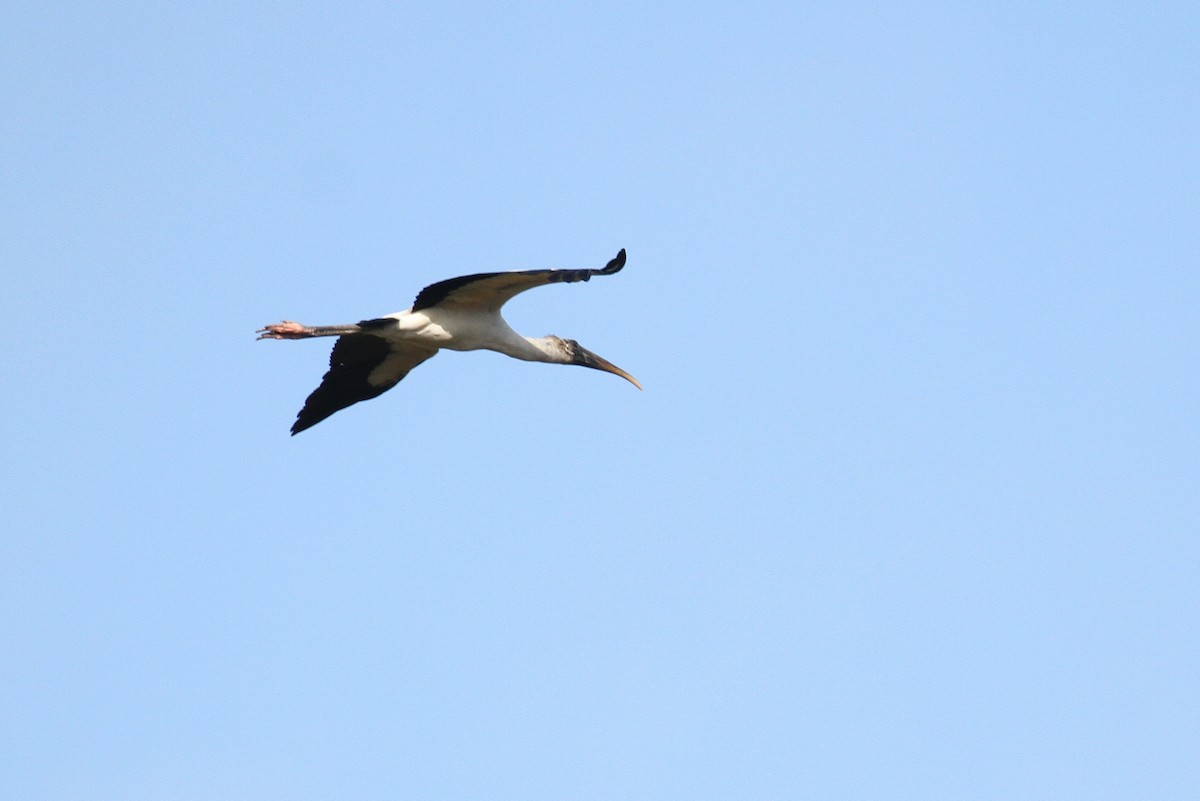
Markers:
{"x": 615, "y": 265}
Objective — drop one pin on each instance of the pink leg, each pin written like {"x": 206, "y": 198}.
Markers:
{"x": 285, "y": 330}
{"x": 292, "y": 330}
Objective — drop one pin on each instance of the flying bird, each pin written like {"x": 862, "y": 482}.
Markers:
{"x": 372, "y": 356}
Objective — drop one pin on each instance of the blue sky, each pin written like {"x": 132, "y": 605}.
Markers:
{"x": 908, "y": 508}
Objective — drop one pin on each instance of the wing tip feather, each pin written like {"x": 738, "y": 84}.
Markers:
{"x": 615, "y": 264}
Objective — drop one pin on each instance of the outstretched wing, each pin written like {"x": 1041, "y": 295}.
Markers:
{"x": 490, "y": 291}
{"x": 361, "y": 367}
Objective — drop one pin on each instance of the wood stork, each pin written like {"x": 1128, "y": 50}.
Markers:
{"x": 372, "y": 356}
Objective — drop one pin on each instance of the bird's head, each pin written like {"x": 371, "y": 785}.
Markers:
{"x": 578, "y": 354}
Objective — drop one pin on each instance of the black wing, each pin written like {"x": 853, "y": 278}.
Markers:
{"x": 490, "y": 291}
{"x": 361, "y": 367}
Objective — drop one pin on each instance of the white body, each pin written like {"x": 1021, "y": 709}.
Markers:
{"x": 464, "y": 329}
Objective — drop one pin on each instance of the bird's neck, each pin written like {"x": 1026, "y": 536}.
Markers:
{"x": 549, "y": 349}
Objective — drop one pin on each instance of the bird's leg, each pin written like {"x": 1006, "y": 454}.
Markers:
{"x": 293, "y": 330}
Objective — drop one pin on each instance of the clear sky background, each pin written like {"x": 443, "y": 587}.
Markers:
{"x": 908, "y": 509}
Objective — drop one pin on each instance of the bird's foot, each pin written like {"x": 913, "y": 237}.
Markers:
{"x": 285, "y": 330}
